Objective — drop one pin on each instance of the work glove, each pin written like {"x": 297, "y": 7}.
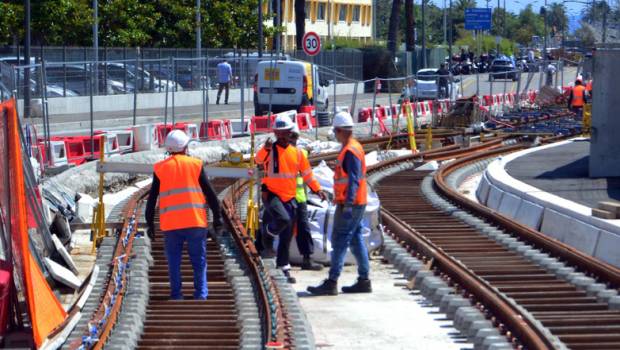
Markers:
{"x": 347, "y": 212}
{"x": 150, "y": 232}
{"x": 322, "y": 195}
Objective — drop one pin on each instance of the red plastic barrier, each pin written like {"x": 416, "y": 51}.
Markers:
{"x": 216, "y": 129}
{"x": 76, "y": 154}
{"x": 307, "y": 109}
{"x": 162, "y": 132}
{"x": 364, "y": 115}
{"x": 380, "y": 112}
{"x": 259, "y": 124}
{"x": 487, "y": 100}
{"x": 228, "y": 131}
{"x": 189, "y": 128}
{"x": 303, "y": 121}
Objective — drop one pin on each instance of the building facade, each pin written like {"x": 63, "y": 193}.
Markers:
{"x": 351, "y": 19}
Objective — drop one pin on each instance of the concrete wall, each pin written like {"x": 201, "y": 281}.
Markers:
{"x": 564, "y": 220}
{"x": 118, "y": 103}
{"x": 605, "y": 143}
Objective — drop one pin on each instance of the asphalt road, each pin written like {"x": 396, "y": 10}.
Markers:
{"x": 80, "y": 123}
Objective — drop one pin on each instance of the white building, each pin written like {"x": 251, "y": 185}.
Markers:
{"x": 347, "y": 19}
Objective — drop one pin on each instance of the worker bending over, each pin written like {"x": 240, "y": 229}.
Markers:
{"x": 184, "y": 194}
{"x": 282, "y": 163}
{"x": 350, "y": 192}
{"x": 304, "y": 236}
{"x": 577, "y": 98}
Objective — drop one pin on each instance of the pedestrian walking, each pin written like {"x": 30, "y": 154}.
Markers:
{"x": 282, "y": 163}
{"x": 224, "y": 77}
{"x": 350, "y": 192}
{"x": 305, "y": 244}
{"x": 577, "y": 98}
{"x": 184, "y": 194}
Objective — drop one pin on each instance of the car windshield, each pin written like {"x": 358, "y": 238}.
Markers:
{"x": 427, "y": 75}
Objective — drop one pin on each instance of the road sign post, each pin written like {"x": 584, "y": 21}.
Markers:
{"x": 312, "y": 43}
{"x": 478, "y": 19}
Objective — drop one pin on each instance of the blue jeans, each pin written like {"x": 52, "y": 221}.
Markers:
{"x": 348, "y": 232}
{"x": 174, "y": 241}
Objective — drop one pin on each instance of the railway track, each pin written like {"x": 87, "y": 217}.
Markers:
{"x": 538, "y": 293}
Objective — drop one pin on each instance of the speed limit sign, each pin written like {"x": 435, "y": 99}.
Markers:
{"x": 312, "y": 43}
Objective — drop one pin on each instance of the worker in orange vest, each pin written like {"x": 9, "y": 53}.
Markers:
{"x": 282, "y": 163}
{"x": 350, "y": 196}
{"x": 184, "y": 194}
{"x": 589, "y": 88}
{"x": 577, "y": 98}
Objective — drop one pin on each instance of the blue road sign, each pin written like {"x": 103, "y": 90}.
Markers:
{"x": 478, "y": 19}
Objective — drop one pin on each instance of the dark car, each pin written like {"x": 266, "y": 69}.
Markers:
{"x": 503, "y": 68}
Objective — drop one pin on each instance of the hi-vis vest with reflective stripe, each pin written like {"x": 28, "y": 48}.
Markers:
{"x": 281, "y": 173}
{"x": 300, "y": 195}
{"x": 578, "y": 92}
{"x": 341, "y": 179}
{"x": 181, "y": 201}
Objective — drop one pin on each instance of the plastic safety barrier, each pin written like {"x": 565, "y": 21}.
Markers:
{"x": 304, "y": 121}
{"x": 146, "y": 137}
{"x": 190, "y": 129}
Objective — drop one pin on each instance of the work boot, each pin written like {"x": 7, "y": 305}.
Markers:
{"x": 290, "y": 279}
{"x": 328, "y": 287}
{"x": 361, "y": 286}
{"x": 310, "y": 265}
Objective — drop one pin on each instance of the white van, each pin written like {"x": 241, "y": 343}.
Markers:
{"x": 287, "y": 85}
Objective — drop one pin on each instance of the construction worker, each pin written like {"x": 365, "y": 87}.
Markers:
{"x": 184, "y": 193}
{"x": 589, "y": 86}
{"x": 350, "y": 192}
{"x": 282, "y": 163}
{"x": 305, "y": 245}
{"x": 577, "y": 98}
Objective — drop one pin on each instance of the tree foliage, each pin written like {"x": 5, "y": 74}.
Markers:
{"x": 152, "y": 23}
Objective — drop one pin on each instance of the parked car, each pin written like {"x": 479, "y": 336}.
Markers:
{"x": 78, "y": 78}
{"x": 425, "y": 87}
{"x": 503, "y": 68}
{"x": 147, "y": 82}
{"x": 182, "y": 75}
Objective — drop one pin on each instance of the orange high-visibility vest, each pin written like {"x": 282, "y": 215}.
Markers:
{"x": 281, "y": 174}
{"x": 182, "y": 203}
{"x": 589, "y": 86}
{"x": 578, "y": 92}
{"x": 341, "y": 179}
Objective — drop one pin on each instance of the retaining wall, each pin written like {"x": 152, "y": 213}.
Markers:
{"x": 562, "y": 219}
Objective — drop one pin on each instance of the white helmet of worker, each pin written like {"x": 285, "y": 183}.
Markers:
{"x": 295, "y": 130}
{"x": 176, "y": 141}
{"x": 343, "y": 120}
{"x": 283, "y": 123}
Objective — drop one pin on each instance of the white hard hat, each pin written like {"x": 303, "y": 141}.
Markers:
{"x": 295, "y": 129}
{"x": 283, "y": 122}
{"x": 343, "y": 120}
{"x": 176, "y": 141}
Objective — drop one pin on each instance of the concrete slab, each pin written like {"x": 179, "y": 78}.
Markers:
{"x": 529, "y": 214}
{"x": 608, "y": 247}
{"x": 495, "y": 197}
{"x": 509, "y": 205}
{"x": 392, "y": 317}
{"x": 568, "y": 230}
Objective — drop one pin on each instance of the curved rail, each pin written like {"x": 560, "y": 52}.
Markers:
{"x": 609, "y": 273}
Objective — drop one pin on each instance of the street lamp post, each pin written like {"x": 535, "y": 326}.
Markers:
{"x": 423, "y": 34}
{"x": 260, "y": 28}
{"x": 450, "y": 35}
{"x": 96, "y": 44}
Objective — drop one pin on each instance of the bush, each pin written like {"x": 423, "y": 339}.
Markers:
{"x": 507, "y": 47}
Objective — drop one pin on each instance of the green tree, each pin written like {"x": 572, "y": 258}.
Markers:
{"x": 127, "y": 22}
{"x": 585, "y": 33}
{"x": 58, "y": 22}
{"x": 11, "y": 18}
{"x": 557, "y": 20}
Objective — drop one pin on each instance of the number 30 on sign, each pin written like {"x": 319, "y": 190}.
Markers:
{"x": 312, "y": 43}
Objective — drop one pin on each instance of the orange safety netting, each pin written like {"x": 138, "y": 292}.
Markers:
{"x": 45, "y": 311}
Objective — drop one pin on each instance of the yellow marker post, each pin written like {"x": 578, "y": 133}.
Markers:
{"x": 429, "y": 138}
{"x": 98, "y": 224}
{"x": 410, "y": 127}
{"x": 251, "y": 223}
{"x": 587, "y": 118}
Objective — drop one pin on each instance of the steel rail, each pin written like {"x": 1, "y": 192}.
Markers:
{"x": 584, "y": 262}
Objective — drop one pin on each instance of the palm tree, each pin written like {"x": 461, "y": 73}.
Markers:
{"x": 392, "y": 39}
{"x": 410, "y": 17}
{"x": 300, "y": 22}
